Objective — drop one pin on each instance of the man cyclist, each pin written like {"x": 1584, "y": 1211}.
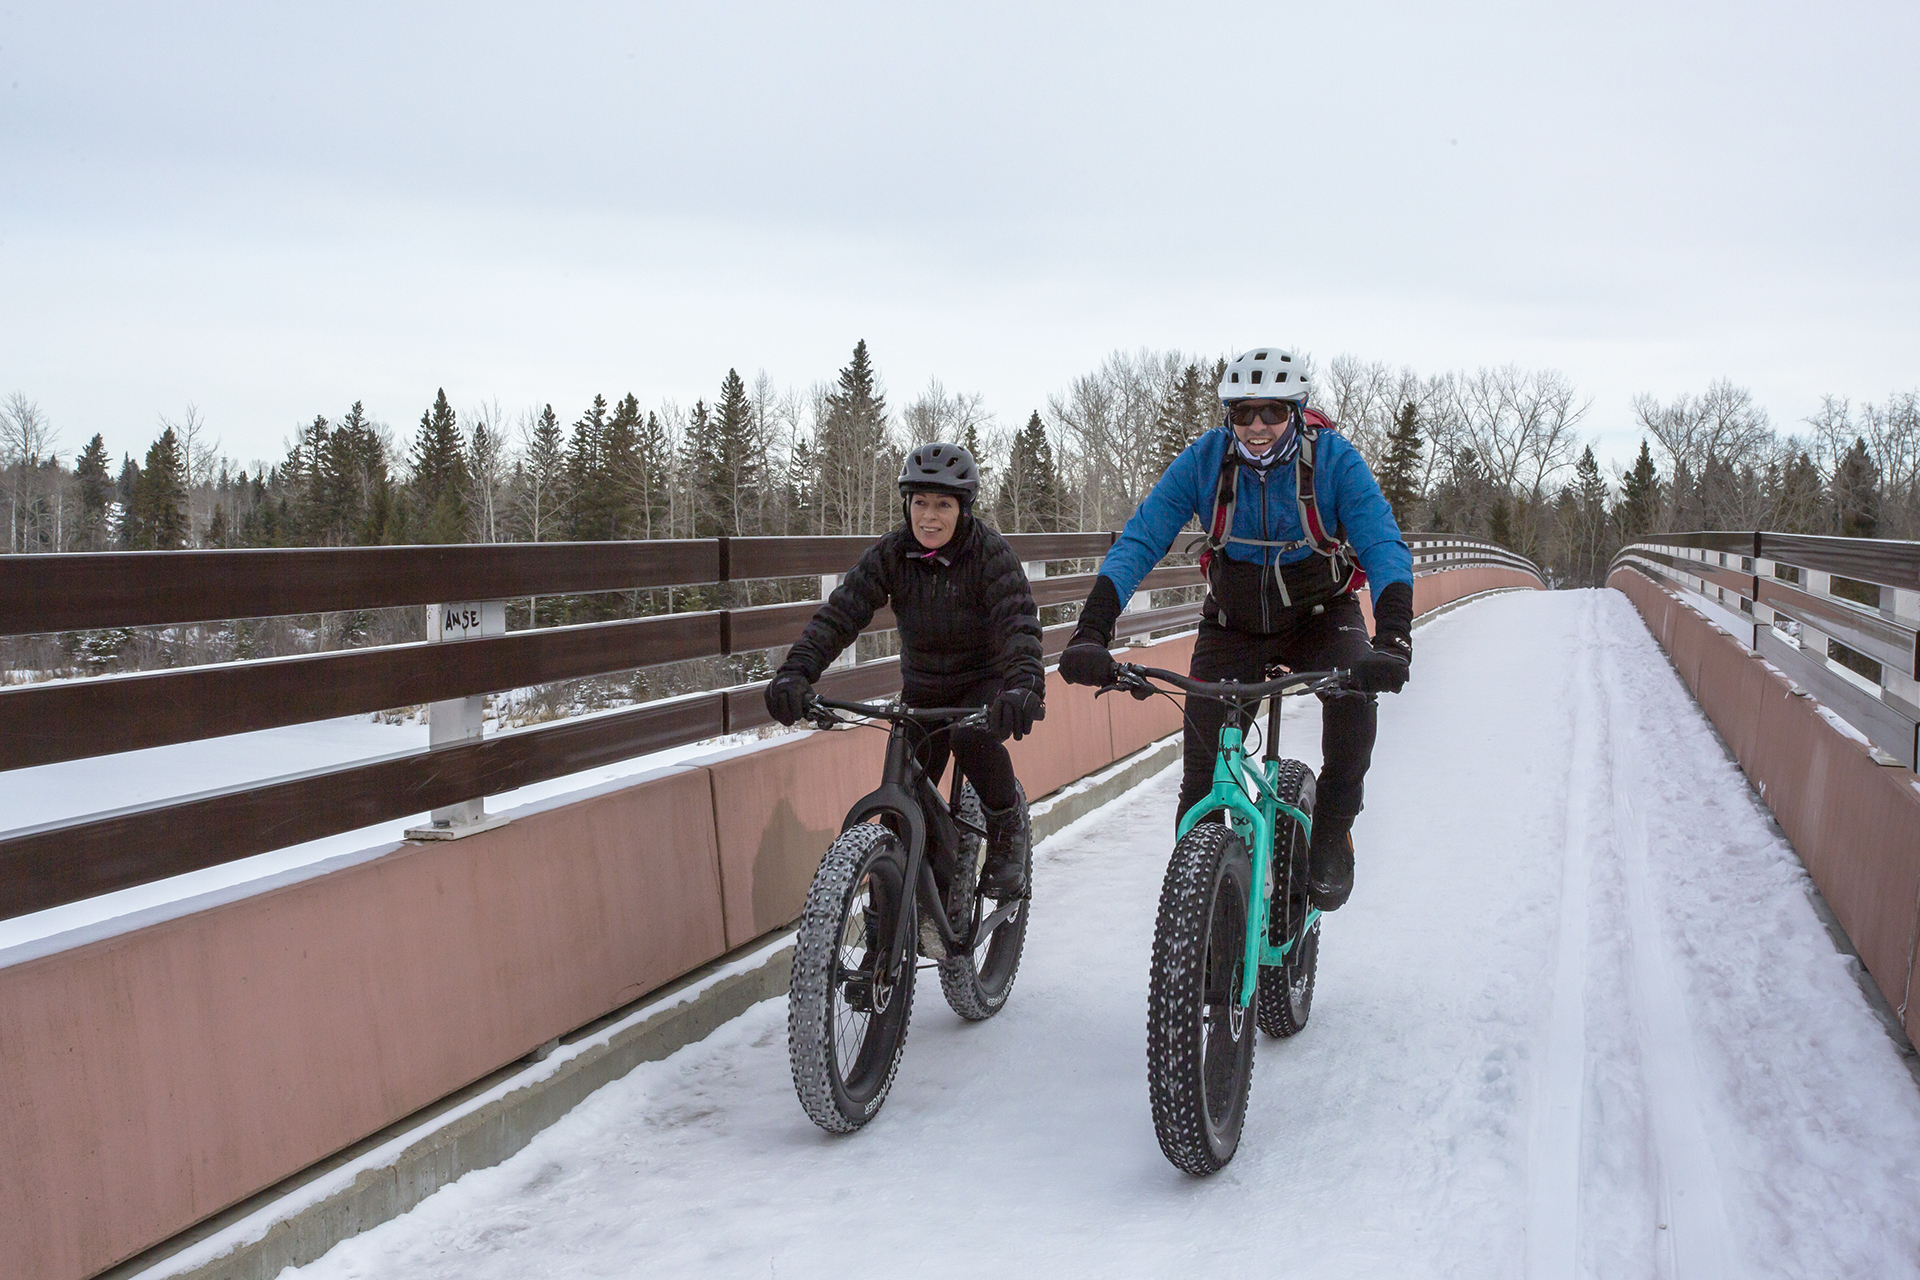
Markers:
{"x": 969, "y": 637}
{"x": 1294, "y": 524}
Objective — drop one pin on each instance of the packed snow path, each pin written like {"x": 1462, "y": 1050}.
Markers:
{"x": 1579, "y": 1019}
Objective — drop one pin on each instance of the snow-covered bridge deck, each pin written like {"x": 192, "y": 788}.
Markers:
{"x": 1580, "y": 1018}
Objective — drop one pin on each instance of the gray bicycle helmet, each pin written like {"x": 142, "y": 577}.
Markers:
{"x": 941, "y": 468}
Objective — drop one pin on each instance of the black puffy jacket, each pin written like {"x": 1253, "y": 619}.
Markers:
{"x": 966, "y": 614}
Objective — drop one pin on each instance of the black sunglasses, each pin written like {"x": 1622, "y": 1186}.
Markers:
{"x": 1273, "y": 413}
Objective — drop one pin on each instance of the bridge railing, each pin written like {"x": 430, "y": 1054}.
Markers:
{"x": 64, "y": 861}
{"x": 1839, "y": 616}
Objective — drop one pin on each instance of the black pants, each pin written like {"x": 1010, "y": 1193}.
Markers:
{"x": 1320, "y": 638}
{"x": 982, "y": 757}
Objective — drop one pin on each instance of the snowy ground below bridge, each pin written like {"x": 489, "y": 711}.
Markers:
{"x": 1579, "y": 1019}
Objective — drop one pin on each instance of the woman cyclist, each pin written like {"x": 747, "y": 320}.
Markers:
{"x": 969, "y": 637}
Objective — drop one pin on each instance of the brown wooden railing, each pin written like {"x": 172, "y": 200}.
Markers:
{"x": 59, "y": 862}
{"x": 1839, "y": 616}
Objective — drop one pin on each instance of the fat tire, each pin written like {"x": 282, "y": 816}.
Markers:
{"x": 977, "y": 983}
{"x": 1199, "y": 1132}
{"x": 1285, "y": 995}
{"x": 830, "y": 1100}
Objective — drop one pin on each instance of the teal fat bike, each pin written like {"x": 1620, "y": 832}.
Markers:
{"x": 1236, "y": 941}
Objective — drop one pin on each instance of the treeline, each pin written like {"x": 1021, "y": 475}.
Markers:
{"x": 1494, "y": 453}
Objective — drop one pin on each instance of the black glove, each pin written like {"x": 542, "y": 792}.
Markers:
{"x": 787, "y": 696}
{"x": 1086, "y": 660}
{"x": 1013, "y": 713}
{"x": 1386, "y": 669}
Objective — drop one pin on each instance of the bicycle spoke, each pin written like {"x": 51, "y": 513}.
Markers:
{"x": 854, "y": 984}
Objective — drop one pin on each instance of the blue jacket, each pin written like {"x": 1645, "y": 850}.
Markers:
{"x": 1268, "y": 509}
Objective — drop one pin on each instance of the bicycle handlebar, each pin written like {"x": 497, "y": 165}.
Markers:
{"x": 1294, "y": 682}
{"x": 878, "y": 711}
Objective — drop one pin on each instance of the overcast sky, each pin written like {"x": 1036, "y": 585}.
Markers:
{"x": 272, "y": 211}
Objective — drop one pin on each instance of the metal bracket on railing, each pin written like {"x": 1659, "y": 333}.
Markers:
{"x": 459, "y": 720}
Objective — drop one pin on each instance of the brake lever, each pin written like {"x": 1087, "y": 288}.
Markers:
{"x": 1132, "y": 681}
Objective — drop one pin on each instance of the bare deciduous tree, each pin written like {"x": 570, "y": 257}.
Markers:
{"x": 1723, "y": 423}
{"x": 34, "y": 488}
{"x": 1107, "y": 431}
{"x": 1520, "y": 424}
{"x": 489, "y": 467}
{"x": 935, "y": 415}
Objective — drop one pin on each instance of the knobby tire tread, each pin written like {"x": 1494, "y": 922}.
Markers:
{"x": 810, "y": 997}
{"x": 1176, "y": 997}
{"x": 959, "y": 976}
{"x": 1280, "y": 1013}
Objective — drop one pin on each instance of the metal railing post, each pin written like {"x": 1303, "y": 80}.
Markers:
{"x": 459, "y": 720}
{"x": 848, "y": 656}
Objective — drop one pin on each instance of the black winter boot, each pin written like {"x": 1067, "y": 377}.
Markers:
{"x": 1330, "y": 862}
{"x": 1006, "y": 874}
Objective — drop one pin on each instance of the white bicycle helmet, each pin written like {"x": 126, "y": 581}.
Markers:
{"x": 1264, "y": 373}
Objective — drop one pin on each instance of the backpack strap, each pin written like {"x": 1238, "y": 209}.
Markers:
{"x": 1339, "y": 552}
{"x": 1219, "y": 531}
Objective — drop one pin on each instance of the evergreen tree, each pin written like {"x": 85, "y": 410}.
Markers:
{"x": 1400, "y": 472}
{"x": 337, "y": 490}
{"x": 1683, "y": 500}
{"x": 1189, "y": 408}
{"x": 699, "y": 453}
{"x": 620, "y": 460}
{"x": 1583, "y": 517}
{"x": 365, "y": 457}
{"x": 438, "y": 486}
{"x": 1030, "y": 498}
{"x": 543, "y": 478}
{"x": 654, "y": 501}
{"x": 727, "y": 464}
{"x": 1718, "y": 492}
{"x": 592, "y": 487}
{"x": 160, "y": 497}
{"x": 1855, "y": 493}
{"x": 857, "y": 461}
{"x": 123, "y": 490}
{"x": 97, "y": 496}
{"x": 1639, "y": 497}
{"x": 1461, "y": 501}
{"x": 1500, "y": 519}
{"x": 970, "y": 441}
{"x": 1795, "y": 505}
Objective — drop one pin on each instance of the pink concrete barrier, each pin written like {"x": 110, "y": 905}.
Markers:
{"x": 775, "y": 812}
{"x": 1855, "y": 823}
{"x": 1135, "y": 724}
{"x": 152, "y": 1079}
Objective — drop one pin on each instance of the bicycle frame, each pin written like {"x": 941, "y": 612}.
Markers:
{"x": 908, "y": 802}
{"x": 1235, "y": 781}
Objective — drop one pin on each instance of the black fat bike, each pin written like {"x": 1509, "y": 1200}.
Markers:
{"x": 899, "y": 882}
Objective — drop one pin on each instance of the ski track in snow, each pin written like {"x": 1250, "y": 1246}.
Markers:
{"x": 1578, "y": 1019}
